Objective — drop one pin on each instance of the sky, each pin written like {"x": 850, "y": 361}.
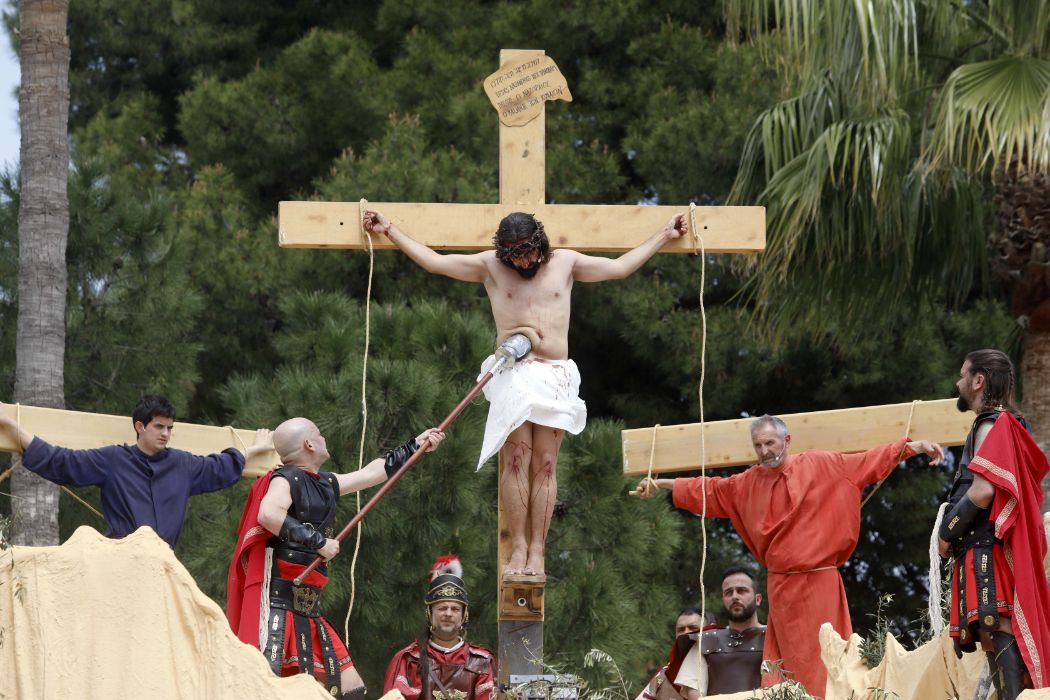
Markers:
{"x": 9, "y": 76}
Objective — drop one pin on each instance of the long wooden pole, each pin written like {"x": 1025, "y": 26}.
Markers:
{"x": 404, "y": 468}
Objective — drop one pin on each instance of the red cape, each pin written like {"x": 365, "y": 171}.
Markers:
{"x": 1011, "y": 460}
{"x": 244, "y": 583}
{"x": 682, "y": 645}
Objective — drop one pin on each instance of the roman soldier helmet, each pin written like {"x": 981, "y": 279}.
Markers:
{"x": 446, "y": 583}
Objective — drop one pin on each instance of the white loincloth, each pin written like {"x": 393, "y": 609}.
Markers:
{"x": 545, "y": 392}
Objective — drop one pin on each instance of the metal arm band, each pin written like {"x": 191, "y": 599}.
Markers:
{"x": 395, "y": 459}
{"x": 294, "y": 531}
{"x": 960, "y": 519}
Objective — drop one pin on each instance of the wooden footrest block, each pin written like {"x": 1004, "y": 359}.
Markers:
{"x": 521, "y": 597}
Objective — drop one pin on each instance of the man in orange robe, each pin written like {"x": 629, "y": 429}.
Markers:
{"x": 799, "y": 515}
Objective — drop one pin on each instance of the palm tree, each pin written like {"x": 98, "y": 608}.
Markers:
{"x": 911, "y": 150}
{"x": 43, "y": 227}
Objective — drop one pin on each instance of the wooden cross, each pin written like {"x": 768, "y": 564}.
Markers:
{"x": 676, "y": 448}
{"x": 471, "y": 227}
{"x": 78, "y": 430}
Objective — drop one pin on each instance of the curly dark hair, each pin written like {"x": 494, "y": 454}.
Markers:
{"x": 519, "y": 234}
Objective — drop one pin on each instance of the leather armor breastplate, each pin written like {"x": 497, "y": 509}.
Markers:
{"x": 449, "y": 681}
{"x": 314, "y": 501}
{"x": 734, "y": 659}
{"x": 964, "y": 477}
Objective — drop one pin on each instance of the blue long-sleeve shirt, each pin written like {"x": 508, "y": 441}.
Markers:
{"x": 137, "y": 489}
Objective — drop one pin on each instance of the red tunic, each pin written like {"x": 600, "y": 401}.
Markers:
{"x": 468, "y": 672}
{"x": 799, "y": 517}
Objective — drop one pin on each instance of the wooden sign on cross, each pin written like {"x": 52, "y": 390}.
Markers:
{"x": 594, "y": 228}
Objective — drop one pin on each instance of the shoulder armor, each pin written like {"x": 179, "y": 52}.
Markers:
{"x": 477, "y": 650}
{"x": 287, "y": 471}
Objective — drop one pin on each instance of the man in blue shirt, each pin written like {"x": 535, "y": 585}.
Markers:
{"x": 147, "y": 483}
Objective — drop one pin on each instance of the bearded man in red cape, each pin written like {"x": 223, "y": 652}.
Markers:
{"x": 994, "y": 531}
{"x": 286, "y": 523}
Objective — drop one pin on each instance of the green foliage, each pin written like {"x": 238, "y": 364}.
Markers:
{"x": 873, "y": 647}
{"x": 687, "y": 144}
{"x": 280, "y": 125}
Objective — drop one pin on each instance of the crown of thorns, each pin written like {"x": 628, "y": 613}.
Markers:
{"x": 523, "y": 246}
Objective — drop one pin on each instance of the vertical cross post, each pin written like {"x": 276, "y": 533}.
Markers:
{"x": 522, "y": 181}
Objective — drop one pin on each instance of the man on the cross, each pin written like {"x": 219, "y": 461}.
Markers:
{"x": 529, "y": 288}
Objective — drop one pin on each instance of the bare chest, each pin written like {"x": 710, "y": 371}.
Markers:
{"x": 549, "y": 289}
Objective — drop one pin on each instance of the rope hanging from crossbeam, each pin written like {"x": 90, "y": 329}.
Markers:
{"x": 652, "y": 453}
{"x": 364, "y": 411}
{"x": 907, "y": 433}
{"x": 698, "y": 247}
{"x": 233, "y": 432}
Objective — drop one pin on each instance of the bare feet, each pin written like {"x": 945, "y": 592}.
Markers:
{"x": 516, "y": 565}
{"x": 534, "y": 565}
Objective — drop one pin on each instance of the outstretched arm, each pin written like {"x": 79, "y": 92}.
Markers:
{"x": 375, "y": 472}
{"x": 589, "y": 268}
{"x": 465, "y": 268}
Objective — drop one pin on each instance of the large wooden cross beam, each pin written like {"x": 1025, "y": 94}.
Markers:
{"x": 676, "y": 448}
{"x": 82, "y": 431}
{"x": 609, "y": 228}
{"x": 594, "y": 228}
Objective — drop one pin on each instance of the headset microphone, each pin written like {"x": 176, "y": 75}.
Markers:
{"x": 780, "y": 455}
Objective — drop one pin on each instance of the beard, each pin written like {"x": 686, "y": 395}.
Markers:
{"x": 744, "y": 615}
{"x": 445, "y": 632}
{"x": 962, "y": 404}
{"x": 529, "y": 271}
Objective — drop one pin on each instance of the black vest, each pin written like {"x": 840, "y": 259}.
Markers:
{"x": 314, "y": 500}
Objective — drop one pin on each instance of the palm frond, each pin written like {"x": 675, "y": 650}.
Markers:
{"x": 991, "y": 114}
{"x": 871, "y": 47}
{"x": 1024, "y": 23}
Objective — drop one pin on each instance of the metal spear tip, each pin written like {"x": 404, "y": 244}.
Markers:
{"x": 517, "y": 346}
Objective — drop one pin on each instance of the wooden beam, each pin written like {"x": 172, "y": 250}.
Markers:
{"x": 611, "y": 228}
{"x": 523, "y": 153}
{"x": 846, "y": 430}
{"x": 81, "y": 431}
{"x": 522, "y": 158}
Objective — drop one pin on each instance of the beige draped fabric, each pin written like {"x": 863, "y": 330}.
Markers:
{"x": 101, "y": 618}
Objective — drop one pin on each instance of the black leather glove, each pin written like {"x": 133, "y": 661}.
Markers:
{"x": 395, "y": 459}
{"x": 294, "y": 531}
